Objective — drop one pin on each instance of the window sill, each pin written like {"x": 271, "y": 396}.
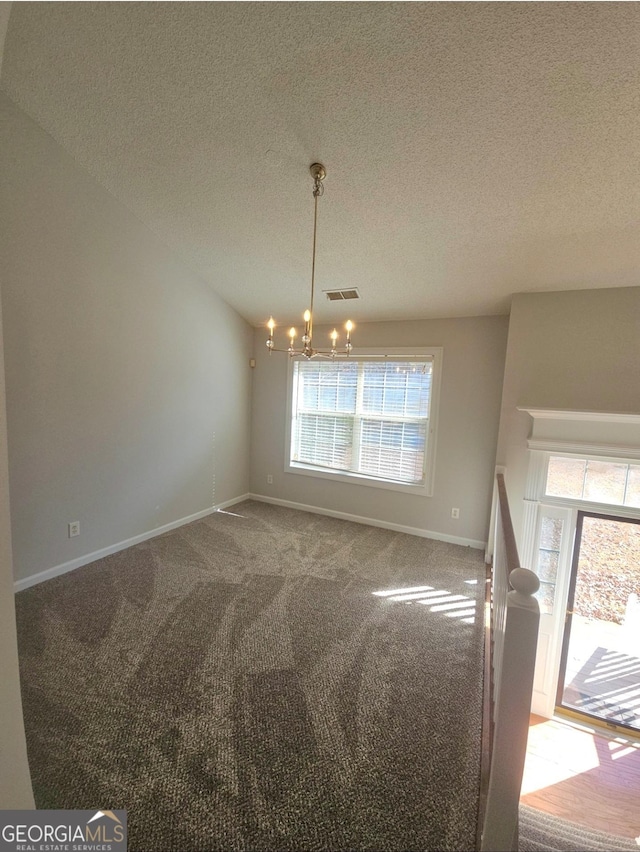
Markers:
{"x": 346, "y": 477}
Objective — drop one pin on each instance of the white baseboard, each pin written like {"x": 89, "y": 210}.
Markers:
{"x": 373, "y": 522}
{"x": 65, "y": 567}
{"x": 49, "y": 573}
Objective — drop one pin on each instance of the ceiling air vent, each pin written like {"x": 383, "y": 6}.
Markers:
{"x": 338, "y": 295}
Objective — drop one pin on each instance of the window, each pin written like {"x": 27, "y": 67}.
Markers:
{"x": 552, "y": 525}
{"x": 365, "y": 418}
{"x": 595, "y": 480}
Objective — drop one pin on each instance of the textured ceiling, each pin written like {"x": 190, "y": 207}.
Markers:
{"x": 472, "y": 150}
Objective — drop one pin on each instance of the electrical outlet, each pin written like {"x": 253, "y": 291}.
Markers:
{"x": 74, "y": 529}
{"x": 269, "y": 479}
{"x": 455, "y": 513}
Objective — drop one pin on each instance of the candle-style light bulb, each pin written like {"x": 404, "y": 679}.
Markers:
{"x": 306, "y": 337}
{"x": 334, "y": 337}
{"x": 348, "y": 347}
{"x": 270, "y": 325}
{"x": 292, "y": 334}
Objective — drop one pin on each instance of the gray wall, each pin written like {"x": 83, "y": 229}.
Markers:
{"x": 574, "y": 350}
{"x": 474, "y": 352}
{"x": 128, "y": 379}
{"x": 15, "y": 783}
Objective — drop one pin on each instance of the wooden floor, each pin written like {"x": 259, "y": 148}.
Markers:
{"x": 588, "y": 778}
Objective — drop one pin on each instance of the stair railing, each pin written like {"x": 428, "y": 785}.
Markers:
{"x": 513, "y": 634}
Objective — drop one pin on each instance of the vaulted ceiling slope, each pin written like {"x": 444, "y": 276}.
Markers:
{"x": 472, "y": 150}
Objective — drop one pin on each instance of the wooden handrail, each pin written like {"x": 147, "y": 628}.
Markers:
{"x": 513, "y": 560}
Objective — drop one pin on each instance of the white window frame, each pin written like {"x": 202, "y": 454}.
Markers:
{"x": 588, "y": 505}
{"x": 424, "y": 489}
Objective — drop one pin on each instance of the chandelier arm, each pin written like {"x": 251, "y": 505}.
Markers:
{"x": 312, "y": 353}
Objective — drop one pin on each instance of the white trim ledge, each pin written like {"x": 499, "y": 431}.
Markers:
{"x": 598, "y": 416}
{"x": 574, "y": 448}
{"x": 372, "y": 522}
{"x": 65, "y": 567}
{"x": 596, "y": 433}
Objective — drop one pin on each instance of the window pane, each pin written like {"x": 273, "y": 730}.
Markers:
{"x": 599, "y": 481}
{"x": 393, "y": 450}
{"x": 548, "y": 565}
{"x": 396, "y": 389}
{"x": 565, "y": 477}
{"x": 324, "y": 440}
{"x": 548, "y": 560}
{"x": 327, "y": 387}
{"x": 546, "y": 595}
{"x": 604, "y": 482}
{"x": 551, "y": 533}
{"x": 310, "y": 391}
{"x": 632, "y": 497}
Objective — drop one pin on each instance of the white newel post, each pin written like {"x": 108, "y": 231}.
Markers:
{"x": 515, "y": 618}
{"x": 511, "y": 724}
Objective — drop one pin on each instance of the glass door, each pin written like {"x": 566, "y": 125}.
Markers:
{"x": 600, "y": 663}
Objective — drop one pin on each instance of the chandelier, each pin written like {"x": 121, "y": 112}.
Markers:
{"x": 318, "y": 173}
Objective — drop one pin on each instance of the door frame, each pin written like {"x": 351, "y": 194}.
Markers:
{"x": 536, "y": 504}
{"x": 566, "y": 635}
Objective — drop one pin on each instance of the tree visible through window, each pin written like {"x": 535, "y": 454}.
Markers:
{"x": 368, "y": 417}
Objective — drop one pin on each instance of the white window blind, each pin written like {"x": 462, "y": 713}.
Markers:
{"x": 369, "y": 417}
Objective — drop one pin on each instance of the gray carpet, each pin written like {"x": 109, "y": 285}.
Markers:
{"x": 236, "y": 685}
{"x": 540, "y": 832}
